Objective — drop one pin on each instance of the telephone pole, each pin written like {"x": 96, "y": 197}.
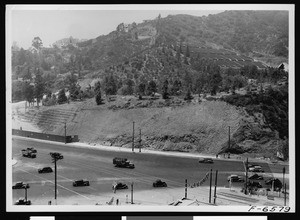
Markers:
{"x": 215, "y": 195}
{"x": 132, "y": 193}
{"x": 140, "y": 141}
{"x": 246, "y": 184}
{"x": 55, "y": 157}
{"x": 228, "y": 137}
{"x": 65, "y": 132}
{"x": 132, "y": 136}
{"x": 185, "y": 195}
{"x": 210, "y": 180}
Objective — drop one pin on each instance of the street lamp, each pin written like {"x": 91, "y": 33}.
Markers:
{"x": 55, "y": 157}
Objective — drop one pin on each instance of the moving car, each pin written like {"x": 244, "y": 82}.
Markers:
{"x": 45, "y": 170}
{"x": 206, "y": 160}
{"x": 123, "y": 162}
{"x": 28, "y": 153}
{"x": 82, "y": 182}
{"x": 256, "y": 177}
{"x": 235, "y": 178}
{"x": 22, "y": 201}
{"x": 20, "y": 185}
{"x": 159, "y": 183}
{"x": 120, "y": 185}
{"x": 31, "y": 149}
{"x": 256, "y": 169}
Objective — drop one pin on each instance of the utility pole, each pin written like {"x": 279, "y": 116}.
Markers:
{"x": 215, "y": 195}
{"x": 185, "y": 195}
{"x": 65, "y": 132}
{"x": 283, "y": 173}
{"x": 26, "y": 187}
{"x": 246, "y": 184}
{"x": 228, "y": 137}
{"x": 132, "y": 193}
{"x": 55, "y": 157}
{"x": 140, "y": 141}
{"x": 132, "y": 136}
{"x": 285, "y": 194}
{"x": 210, "y": 179}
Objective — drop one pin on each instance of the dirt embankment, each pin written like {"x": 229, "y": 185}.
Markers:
{"x": 171, "y": 125}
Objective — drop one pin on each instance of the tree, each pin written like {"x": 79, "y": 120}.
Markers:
{"x": 187, "y": 53}
{"x": 62, "y": 98}
{"x": 142, "y": 89}
{"x": 165, "y": 93}
{"x": 98, "y": 98}
{"x": 39, "y": 86}
{"x": 28, "y": 92}
{"x": 152, "y": 88}
{"x": 37, "y": 43}
{"x": 188, "y": 95}
{"x": 110, "y": 85}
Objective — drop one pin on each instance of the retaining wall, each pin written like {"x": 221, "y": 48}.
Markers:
{"x": 43, "y": 136}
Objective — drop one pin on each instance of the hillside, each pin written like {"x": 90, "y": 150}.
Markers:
{"x": 170, "y": 126}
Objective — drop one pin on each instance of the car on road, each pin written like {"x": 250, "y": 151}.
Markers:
{"x": 45, "y": 170}
{"x": 254, "y": 184}
{"x": 206, "y": 160}
{"x": 235, "y": 178}
{"x": 119, "y": 185}
{"x": 256, "y": 177}
{"x": 22, "y": 201}
{"x": 82, "y": 182}
{"x": 27, "y": 153}
{"x": 20, "y": 185}
{"x": 256, "y": 169}
{"x": 31, "y": 149}
{"x": 159, "y": 183}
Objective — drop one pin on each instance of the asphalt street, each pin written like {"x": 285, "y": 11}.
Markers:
{"x": 96, "y": 166}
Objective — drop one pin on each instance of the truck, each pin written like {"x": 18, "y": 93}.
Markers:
{"x": 28, "y": 153}
{"x": 122, "y": 162}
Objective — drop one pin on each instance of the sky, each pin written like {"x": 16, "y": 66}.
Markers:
{"x": 55, "y": 24}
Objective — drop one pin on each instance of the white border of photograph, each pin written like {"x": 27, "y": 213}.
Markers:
{"x": 138, "y": 208}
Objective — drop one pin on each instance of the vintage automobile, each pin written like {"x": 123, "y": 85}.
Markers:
{"x": 119, "y": 185}
{"x": 20, "y": 185}
{"x": 82, "y": 182}
{"x": 235, "y": 178}
{"x": 31, "y": 149}
{"x": 206, "y": 160}
{"x": 45, "y": 170}
{"x": 159, "y": 183}
{"x": 22, "y": 201}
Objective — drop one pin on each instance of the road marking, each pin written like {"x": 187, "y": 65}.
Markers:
{"x": 57, "y": 184}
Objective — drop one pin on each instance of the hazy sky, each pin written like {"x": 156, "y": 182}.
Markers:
{"x": 52, "y": 25}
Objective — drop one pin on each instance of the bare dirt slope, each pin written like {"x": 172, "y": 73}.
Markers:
{"x": 170, "y": 126}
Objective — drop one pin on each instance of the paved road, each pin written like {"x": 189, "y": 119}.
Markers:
{"x": 96, "y": 166}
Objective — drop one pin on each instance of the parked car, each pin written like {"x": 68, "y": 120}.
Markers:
{"x": 256, "y": 169}
{"x": 206, "y": 160}
{"x": 45, "y": 170}
{"x": 254, "y": 184}
{"x": 159, "y": 183}
{"x": 256, "y": 177}
{"x": 22, "y": 201}
{"x": 120, "y": 185}
{"x": 82, "y": 182}
{"x": 20, "y": 185}
{"x": 28, "y": 153}
{"x": 235, "y": 178}
{"x": 31, "y": 149}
